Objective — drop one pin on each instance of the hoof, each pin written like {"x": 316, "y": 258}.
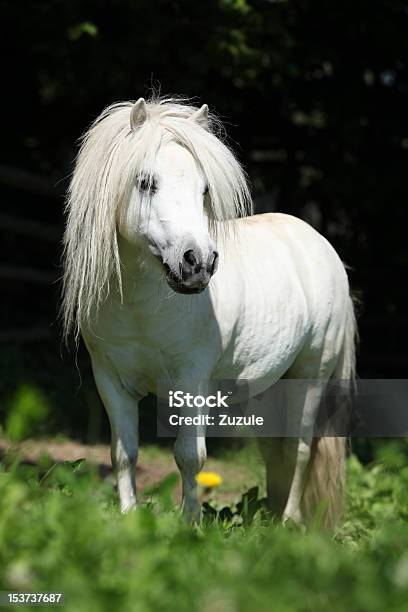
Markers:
{"x": 294, "y": 522}
{"x": 191, "y": 513}
{"x": 128, "y": 507}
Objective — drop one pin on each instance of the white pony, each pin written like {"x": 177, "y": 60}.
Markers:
{"x": 158, "y": 201}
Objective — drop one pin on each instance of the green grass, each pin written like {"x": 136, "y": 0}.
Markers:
{"x": 60, "y": 530}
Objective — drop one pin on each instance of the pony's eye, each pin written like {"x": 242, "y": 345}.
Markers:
{"x": 147, "y": 186}
{"x": 144, "y": 185}
{"x": 205, "y": 190}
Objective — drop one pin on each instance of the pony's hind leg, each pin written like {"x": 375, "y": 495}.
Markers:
{"x": 303, "y": 401}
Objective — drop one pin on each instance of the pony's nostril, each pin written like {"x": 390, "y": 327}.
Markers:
{"x": 190, "y": 257}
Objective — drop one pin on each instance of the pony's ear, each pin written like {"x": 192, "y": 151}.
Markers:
{"x": 201, "y": 116}
{"x": 138, "y": 114}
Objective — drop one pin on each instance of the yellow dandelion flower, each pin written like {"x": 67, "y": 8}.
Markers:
{"x": 208, "y": 479}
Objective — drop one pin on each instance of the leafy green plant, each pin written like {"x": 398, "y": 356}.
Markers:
{"x": 61, "y": 529}
{"x": 28, "y": 408}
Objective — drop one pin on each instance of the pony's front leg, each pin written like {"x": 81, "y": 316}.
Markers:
{"x": 190, "y": 454}
{"x": 122, "y": 409}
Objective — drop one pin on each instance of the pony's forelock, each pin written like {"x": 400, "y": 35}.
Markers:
{"x": 110, "y": 159}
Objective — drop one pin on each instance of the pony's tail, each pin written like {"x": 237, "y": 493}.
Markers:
{"x": 324, "y": 495}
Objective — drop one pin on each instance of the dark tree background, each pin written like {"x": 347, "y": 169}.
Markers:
{"x": 314, "y": 95}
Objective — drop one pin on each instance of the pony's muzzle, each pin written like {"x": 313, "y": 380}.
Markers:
{"x": 195, "y": 271}
{"x": 193, "y": 263}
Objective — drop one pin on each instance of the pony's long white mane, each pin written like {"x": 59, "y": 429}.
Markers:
{"x": 110, "y": 159}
